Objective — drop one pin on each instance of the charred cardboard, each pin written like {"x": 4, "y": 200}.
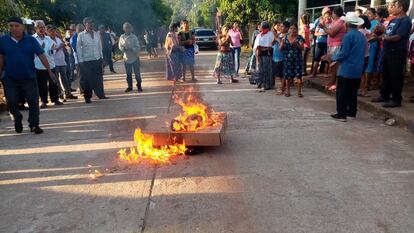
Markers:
{"x": 163, "y": 135}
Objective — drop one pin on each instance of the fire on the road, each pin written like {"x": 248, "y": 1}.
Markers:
{"x": 194, "y": 116}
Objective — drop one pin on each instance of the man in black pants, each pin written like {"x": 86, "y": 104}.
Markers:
{"x": 47, "y": 85}
{"x": 17, "y": 53}
{"x": 351, "y": 59}
{"x": 395, "y": 54}
{"x": 89, "y": 51}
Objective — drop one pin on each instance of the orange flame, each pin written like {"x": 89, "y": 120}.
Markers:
{"x": 145, "y": 150}
{"x": 194, "y": 114}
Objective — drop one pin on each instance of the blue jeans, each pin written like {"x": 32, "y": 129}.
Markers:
{"x": 28, "y": 88}
{"x": 128, "y": 68}
{"x": 236, "y": 54}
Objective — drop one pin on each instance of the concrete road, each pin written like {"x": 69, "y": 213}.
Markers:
{"x": 285, "y": 167}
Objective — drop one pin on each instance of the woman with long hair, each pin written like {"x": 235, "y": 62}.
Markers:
{"x": 304, "y": 31}
{"x": 225, "y": 61}
{"x": 173, "y": 54}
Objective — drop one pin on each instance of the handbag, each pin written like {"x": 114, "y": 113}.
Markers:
{"x": 196, "y": 48}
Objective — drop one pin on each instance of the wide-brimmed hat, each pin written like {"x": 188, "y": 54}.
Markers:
{"x": 352, "y": 18}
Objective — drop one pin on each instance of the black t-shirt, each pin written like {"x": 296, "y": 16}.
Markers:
{"x": 401, "y": 27}
{"x": 186, "y": 36}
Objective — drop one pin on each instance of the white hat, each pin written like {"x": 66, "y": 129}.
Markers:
{"x": 352, "y": 18}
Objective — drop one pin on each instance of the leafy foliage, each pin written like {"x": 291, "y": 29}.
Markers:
{"x": 141, "y": 13}
{"x": 252, "y": 10}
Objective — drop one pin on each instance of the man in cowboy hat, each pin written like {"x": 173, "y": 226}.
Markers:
{"x": 351, "y": 60}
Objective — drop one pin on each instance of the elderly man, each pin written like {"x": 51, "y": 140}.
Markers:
{"x": 351, "y": 58}
{"x": 17, "y": 53}
{"x": 89, "y": 51}
{"x": 45, "y": 82}
{"x": 129, "y": 45}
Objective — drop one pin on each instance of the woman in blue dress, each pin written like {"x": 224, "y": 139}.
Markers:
{"x": 291, "y": 46}
{"x": 173, "y": 54}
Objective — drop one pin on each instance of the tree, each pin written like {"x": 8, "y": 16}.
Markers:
{"x": 252, "y": 10}
{"x": 7, "y": 8}
{"x": 141, "y": 13}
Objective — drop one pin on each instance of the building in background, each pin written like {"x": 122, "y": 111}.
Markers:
{"x": 314, "y": 7}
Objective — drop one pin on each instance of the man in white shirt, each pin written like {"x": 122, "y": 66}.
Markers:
{"x": 89, "y": 51}
{"x": 46, "y": 83}
{"x": 129, "y": 45}
{"x": 263, "y": 47}
{"x": 61, "y": 65}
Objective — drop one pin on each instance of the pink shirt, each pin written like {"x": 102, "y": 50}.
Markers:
{"x": 305, "y": 33}
{"x": 337, "y": 39}
{"x": 235, "y": 38}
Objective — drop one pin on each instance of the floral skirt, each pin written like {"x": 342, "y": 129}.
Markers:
{"x": 224, "y": 65}
{"x": 173, "y": 66}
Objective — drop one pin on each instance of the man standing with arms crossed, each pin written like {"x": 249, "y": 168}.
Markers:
{"x": 17, "y": 53}
{"x": 129, "y": 45}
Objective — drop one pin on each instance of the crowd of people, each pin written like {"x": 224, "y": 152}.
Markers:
{"x": 359, "y": 51}
{"x": 44, "y": 64}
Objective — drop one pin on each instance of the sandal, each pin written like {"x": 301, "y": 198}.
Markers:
{"x": 279, "y": 92}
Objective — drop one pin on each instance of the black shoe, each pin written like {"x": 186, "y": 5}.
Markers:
{"x": 104, "y": 98}
{"x": 72, "y": 90}
{"x": 18, "y": 126}
{"x": 411, "y": 100}
{"x": 23, "y": 108}
{"x": 379, "y": 99}
{"x": 113, "y": 71}
{"x": 58, "y": 103}
{"x": 128, "y": 89}
{"x": 391, "y": 104}
{"x": 339, "y": 118}
{"x": 43, "y": 105}
{"x": 139, "y": 87}
{"x": 72, "y": 97}
{"x": 88, "y": 101}
{"x": 36, "y": 130}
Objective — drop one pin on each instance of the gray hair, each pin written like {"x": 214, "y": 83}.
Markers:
{"x": 87, "y": 20}
{"x": 80, "y": 27}
{"x": 39, "y": 23}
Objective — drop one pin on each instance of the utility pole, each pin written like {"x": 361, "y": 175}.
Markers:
{"x": 301, "y": 7}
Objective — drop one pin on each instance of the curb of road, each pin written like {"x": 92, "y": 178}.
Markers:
{"x": 377, "y": 111}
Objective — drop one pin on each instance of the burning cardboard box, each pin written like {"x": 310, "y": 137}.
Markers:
{"x": 170, "y": 135}
{"x": 165, "y": 134}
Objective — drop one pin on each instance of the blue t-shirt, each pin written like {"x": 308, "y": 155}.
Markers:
{"x": 351, "y": 55}
{"x": 401, "y": 27}
{"x": 19, "y": 56}
{"x": 320, "y": 39}
{"x": 277, "y": 55}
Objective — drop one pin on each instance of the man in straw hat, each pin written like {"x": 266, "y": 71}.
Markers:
{"x": 351, "y": 60}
